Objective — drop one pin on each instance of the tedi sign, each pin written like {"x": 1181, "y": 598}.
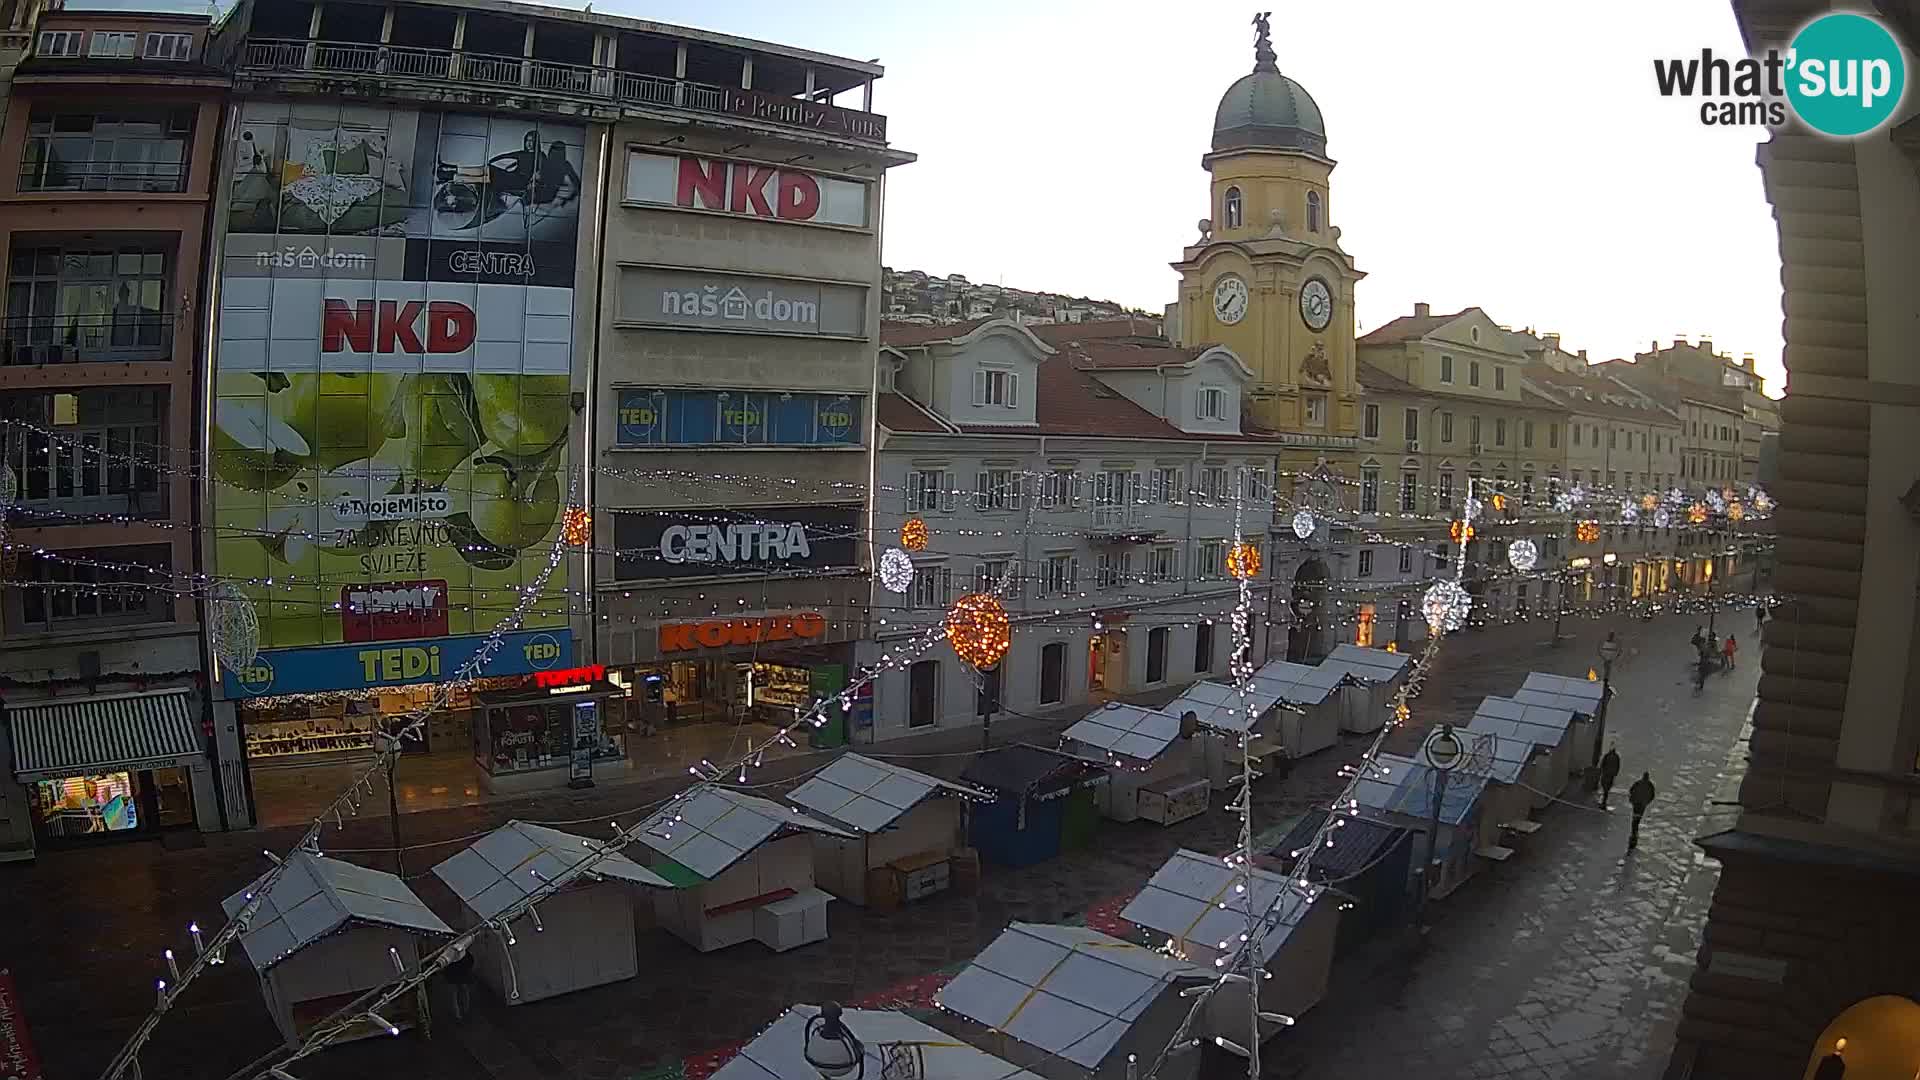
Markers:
{"x": 746, "y": 188}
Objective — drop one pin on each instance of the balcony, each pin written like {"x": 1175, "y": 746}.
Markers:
{"x": 68, "y": 339}
{"x": 586, "y": 84}
{"x": 138, "y": 176}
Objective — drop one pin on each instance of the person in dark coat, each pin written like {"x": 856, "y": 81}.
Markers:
{"x": 1833, "y": 1066}
{"x": 1641, "y": 796}
{"x": 459, "y": 976}
{"x": 1609, "y": 772}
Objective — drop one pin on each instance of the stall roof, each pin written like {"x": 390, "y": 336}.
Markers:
{"x": 1546, "y": 725}
{"x": 1357, "y": 845}
{"x": 508, "y": 864}
{"x": 1561, "y": 692}
{"x": 1221, "y": 707}
{"x": 715, "y": 827}
{"x": 1408, "y": 789}
{"x": 315, "y": 896}
{"x": 1068, "y": 990}
{"x": 1183, "y": 901}
{"x": 1506, "y": 755}
{"x": 1126, "y": 730}
{"x": 779, "y": 1053}
{"x": 1298, "y": 684}
{"x": 870, "y": 795}
{"x": 1368, "y": 665}
{"x": 1028, "y": 770}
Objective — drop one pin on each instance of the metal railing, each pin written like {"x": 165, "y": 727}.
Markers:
{"x": 67, "y": 339}
{"x": 141, "y": 176}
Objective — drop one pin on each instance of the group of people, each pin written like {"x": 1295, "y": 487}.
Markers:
{"x": 1639, "y": 796}
{"x": 1708, "y": 651}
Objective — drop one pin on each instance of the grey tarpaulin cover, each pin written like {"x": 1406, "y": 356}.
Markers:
{"x": 1126, "y": 730}
{"x": 315, "y": 896}
{"x": 715, "y": 827}
{"x": 870, "y": 795}
{"x": 508, "y": 864}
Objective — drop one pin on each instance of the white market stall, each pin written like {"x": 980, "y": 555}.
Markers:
{"x": 580, "y": 935}
{"x": 1548, "y": 727}
{"x": 1511, "y": 767}
{"x": 1156, "y": 770}
{"x": 1375, "y": 676}
{"x": 892, "y": 1044}
{"x": 1224, "y": 716}
{"x": 1313, "y": 724}
{"x": 906, "y": 828}
{"x": 741, "y": 867}
{"x": 1579, "y": 696}
{"x": 326, "y": 932}
{"x": 1088, "y": 1001}
{"x": 1405, "y": 797}
{"x": 1193, "y": 900}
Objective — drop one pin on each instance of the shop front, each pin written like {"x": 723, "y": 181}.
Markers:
{"x": 566, "y": 729}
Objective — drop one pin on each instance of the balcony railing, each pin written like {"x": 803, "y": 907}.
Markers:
{"x": 406, "y": 62}
{"x": 67, "y": 339}
{"x": 141, "y": 176}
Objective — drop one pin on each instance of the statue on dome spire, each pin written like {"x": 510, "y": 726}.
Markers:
{"x": 1264, "y": 58}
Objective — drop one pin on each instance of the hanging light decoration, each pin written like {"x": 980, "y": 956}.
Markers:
{"x": 1629, "y": 513}
{"x": 1461, "y": 532}
{"x": 576, "y": 527}
{"x": 913, "y": 534}
{"x": 1735, "y": 511}
{"x": 1500, "y": 503}
{"x": 896, "y": 571}
{"x": 1563, "y": 502}
{"x": 1649, "y": 501}
{"x": 1472, "y": 508}
{"x": 1243, "y": 561}
{"x": 1588, "y": 532}
{"x": 1304, "y": 524}
{"x": 1578, "y": 494}
{"x": 1662, "y": 518}
{"x": 233, "y": 625}
{"x": 1727, "y": 495}
{"x": 978, "y": 630}
{"x": 1762, "y": 502}
{"x": 1523, "y": 554}
{"x": 1715, "y": 502}
{"x": 1446, "y": 606}
{"x": 1697, "y": 514}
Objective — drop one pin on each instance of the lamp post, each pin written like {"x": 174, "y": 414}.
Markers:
{"x": 1442, "y": 752}
{"x": 833, "y": 1050}
{"x": 988, "y": 703}
{"x": 1609, "y": 652}
{"x": 1712, "y": 557}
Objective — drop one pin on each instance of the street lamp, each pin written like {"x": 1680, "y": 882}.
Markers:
{"x": 1442, "y": 752}
{"x": 1711, "y": 609}
{"x": 831, "y": 1048}
{"x": 1609, "y": 652}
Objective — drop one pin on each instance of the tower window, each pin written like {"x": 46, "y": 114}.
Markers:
{"x": 1232, "y": 210}
{"x": 1313, "y": 211}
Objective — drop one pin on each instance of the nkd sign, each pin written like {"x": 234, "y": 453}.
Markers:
{"x": 746, "y": 188}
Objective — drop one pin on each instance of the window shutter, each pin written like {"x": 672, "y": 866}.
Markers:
{"x": 1200, "y": 404}
{"x": 982, "y": 491}
{"x": 1013, "y": 390}
{"x": 979, "y": 387}
{"x": 1073, "y": 574}
{"x": 946, "y": 586}
{"x": 946, "y": 497}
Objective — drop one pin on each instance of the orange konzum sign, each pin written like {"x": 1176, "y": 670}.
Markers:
{"x": 721, "y": 633}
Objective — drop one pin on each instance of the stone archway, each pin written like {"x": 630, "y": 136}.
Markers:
{"x": 1308, "y": 605}
{"x": 1877, "y": 1039}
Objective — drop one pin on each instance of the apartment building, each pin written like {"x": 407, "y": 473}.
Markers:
{"x": 1699, "y": 363}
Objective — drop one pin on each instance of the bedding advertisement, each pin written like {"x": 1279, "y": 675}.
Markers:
{"x": 393, "y": 387}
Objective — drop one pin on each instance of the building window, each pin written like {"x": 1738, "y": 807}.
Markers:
{"x": 104, "y": 585}
{"x": 1059, "y": 575}
{"x": 1406, "y": 559}
{"x": 932, "y": 587}
{"x": 1369, "y": 491}
{"x": 1446, "y": 427}
{"x": 1574, "y": 431}
{"x": 923, "y": 693}
{"x": 1366, "y": 562}
{"x": 1213, "y": 483}
{"x": 1446, "y": 368}
{"x": 1114, "y": 569}
{"x": 1444, "y": 489}
{"x": 996, "y": 387}
{"x": 1157, "y": 654}
{"x": 169, "y": 47}
{"x": 1613, "y": 439}
{"x": 1231, "y": 209}
{"x": 1526, "y": 489}
{"x": 1060, "y": 490}
{"x": 1499, "y": 431}
{"x": 1316, "y": 410}
{"x": 1410, "y": 423}
{"x": 1163, "y": 564}
{"x": 1370, "y": 422}
{"x": 929, "y": 490}
{"x": 988, "y": 575}
{"x": 105, "y": 459}
{"x": 1526, "y": 434}
{"x": 1313, "y": 211}
{"x": 112, "y": 45}
{"x": 1473, "y": 373}
{"x": 116, "y": 150}
{"x": 996, "y": 489}
{"x": 1254, "y": 477}
{"x": 1409, "y": 491}
{"x": 1053, "y": 673}
{"x": 1202, "y": 648}
{"x": 1211, "y": 403}
{"x": 106, "y": 304}
{"x": 1499, "y": 377}
{"x": 1363, "y": 626}
{"x": 60, "y": 42}
{"x": 1473, "y": 432}
{"x": 1473, "y": 334}
{"x": 1553, "y": 435}
{"x": 1213, "y": 559}
{"x": 1167, "y": 485}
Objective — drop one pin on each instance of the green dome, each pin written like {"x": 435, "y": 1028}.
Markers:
{"x": 1268, "y": 111}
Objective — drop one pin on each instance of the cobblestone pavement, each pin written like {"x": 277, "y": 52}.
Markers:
{"x": 1570, "y": 960}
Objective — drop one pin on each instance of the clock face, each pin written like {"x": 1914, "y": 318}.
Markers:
{"x": 1316, "y": 304}
{"x": 1230, "y": 300}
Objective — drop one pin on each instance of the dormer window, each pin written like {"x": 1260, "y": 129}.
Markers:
{"x": 60, "y": 42}
{"x": 1211, "y": 404}
{"x": 1313, "y": 211}
{"x": 168, "y": 47}
{"x": 1231, "y": 211}
{"x": 996, "y": 387}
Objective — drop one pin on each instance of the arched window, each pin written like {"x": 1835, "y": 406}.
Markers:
{"x": 1313, "y": 211}
{"x": 1232, "y": 210}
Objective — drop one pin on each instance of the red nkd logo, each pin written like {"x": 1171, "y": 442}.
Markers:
{"x": 396, "y": 326}
{"x": 740, "y": 188}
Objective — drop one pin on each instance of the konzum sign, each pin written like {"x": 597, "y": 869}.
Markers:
{"x": 745, "y": 188}
{"x": 724, "y": 633}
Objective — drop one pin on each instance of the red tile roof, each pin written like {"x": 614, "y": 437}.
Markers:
{"x": 896, "y": 413}
{"x": 1409, "y": 328}
{"x": 1374, "y": 378}
{"x": 1060, "y": 333}
{"x": 907, "y": 335}
{"x": 1126, "y": 354}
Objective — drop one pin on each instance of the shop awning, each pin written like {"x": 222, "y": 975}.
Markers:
{"x": 103, "y": 734}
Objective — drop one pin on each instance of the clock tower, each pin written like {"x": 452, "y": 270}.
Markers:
{"x": 1267, "y": 278}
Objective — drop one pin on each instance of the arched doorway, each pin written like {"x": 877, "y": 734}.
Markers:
{"x": 1308, "y": 603}
{"x": 1877, "y": 1039}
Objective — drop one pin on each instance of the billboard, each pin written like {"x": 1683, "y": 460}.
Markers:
{"x": 699, "y": 300}
{"x": 672, "y": 417}
{"x": 667, "y": 544}
{"x": 393, "y": 388}
{"x": 747, "y": 188}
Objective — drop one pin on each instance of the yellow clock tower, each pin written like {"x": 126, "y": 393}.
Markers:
{"x": 1267, "y": 278}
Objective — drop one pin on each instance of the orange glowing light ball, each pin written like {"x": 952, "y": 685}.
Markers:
{"x": 1500, "y": 503}
{"x": 1649, "y": 501}
{"x": 913, "y": 534}
{"x": 1588, "y": 532}
{"x": 1697, "y": 513}
{"x": 1735, "y": 511}
{"x": 1461, "y": 532}
{"x": 978, "y": 630}
{"x": 1243, "y": 561}
{"x": 576, "y": 526}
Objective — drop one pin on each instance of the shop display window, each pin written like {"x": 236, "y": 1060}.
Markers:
{"x": 77, "y": 805}
{"x": 775, "y": 685}
{"x": 296, "y": 729}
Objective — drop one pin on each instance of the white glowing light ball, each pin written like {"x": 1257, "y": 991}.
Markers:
{"x": 1523, "y": 554}
{"x": 1304, "y": 524}
{"x": 1446, "y": 606}
{"x": 896, "y": 570}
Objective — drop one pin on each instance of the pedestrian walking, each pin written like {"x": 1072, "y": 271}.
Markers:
{"x": 1699, "y": 637}
{"x": 1729, "y": 649}
{"x": 1760, "y": 616}
{"x": 1641, "y": 796}
{"x": 1609, "y": 772}
{"x": 459, "y": 976}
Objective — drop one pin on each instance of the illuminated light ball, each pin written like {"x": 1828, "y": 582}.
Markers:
{"x": 1588, "y": 532}
{"x": 896, "y": 571}
{"x": 1715, "y": 502}
{"x": 913, "y": 534}
{"x": 1401, "y": 712}
{"x": 1472, "y": 509}
{"x": 1762, "y": 502}
{"x": 1649, "y": 501}
{"x": 978, "y": 630}
{"x": 1562, "y": 502}
{"x": 1304, "y": 524}
{"x": 1735, "y": 511}
{"x": 1460, "y": 531}
{"x": 1662, "y": 518}
{"x": 1697, "y": 514}
{"x": 1500, "y": 503}
{"x": 576, "y": 526}
{"x": 1393, "y": 646}
{"x": 1446, "y": 606}
{"x": 1629, "y": 514}
{"x": 1523, "y": 554}
{"x": 1578, "y": 494}
{"x": 1727, "y": 495}
{"x": 1243, "y": 561}
{"x": 1676, "y": 497}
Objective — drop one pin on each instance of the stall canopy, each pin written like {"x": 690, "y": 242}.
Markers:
{"x": 1407, "y": 790}
{"x": 315, "y": 896}
{"x": 1220, "y": 707}
{"x": 1543, "y": 725}
{"x": 1561, "y": 692}
{"x": 780, "y": 1051}
{"x": 869, "y": 795}
{"x": 1068, "y": 990}
{"x": 1127, "y": 731}
{"x": 102, "y": 734}
{"x": 1030, "y": 771}
{"x": 509, "y": 863}
{"x": 1298, "y": 684}
{"x": 1368, "y": 665}
{"x": 1184, "y": 900}
{"x": 1503, "y": 758}
{"x": 709, "y": 830}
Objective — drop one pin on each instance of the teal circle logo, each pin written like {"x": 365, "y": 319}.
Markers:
{"x": 1846, "y": 74}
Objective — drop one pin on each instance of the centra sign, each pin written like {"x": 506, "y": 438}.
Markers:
{"x": 756, "y": 542}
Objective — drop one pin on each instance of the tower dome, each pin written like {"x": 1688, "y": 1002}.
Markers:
{"x": 1266, "y": 110}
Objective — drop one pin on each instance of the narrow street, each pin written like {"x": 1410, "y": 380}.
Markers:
{"x": 1569, "y": 960}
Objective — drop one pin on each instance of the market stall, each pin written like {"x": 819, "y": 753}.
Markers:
{"x": 1087, "y": 1001}
{"x": 1511, "y": 767}
{"x": 892, "y": 1043}
{"x": 906, "y": 828}
{"x": 552, "y": 734}
{"x": 1404, "y": 797}
{"x": 1158, "y": 773}
{"x": 1197, "y": 901}
{"x": 1547, "y": 727}
{"x": 741, "y": 868}
{"x": 1375, "y": 676}
{"x": 579, "y": 936}
{"x": 1313, "y": 724}
{"x": 1045, "y": 804}
{"x": 1578, "y": 696}
{"x": 1224, "y": 717}
{"x": 1369, "y": 860}
{"x": 328, "y": 931}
